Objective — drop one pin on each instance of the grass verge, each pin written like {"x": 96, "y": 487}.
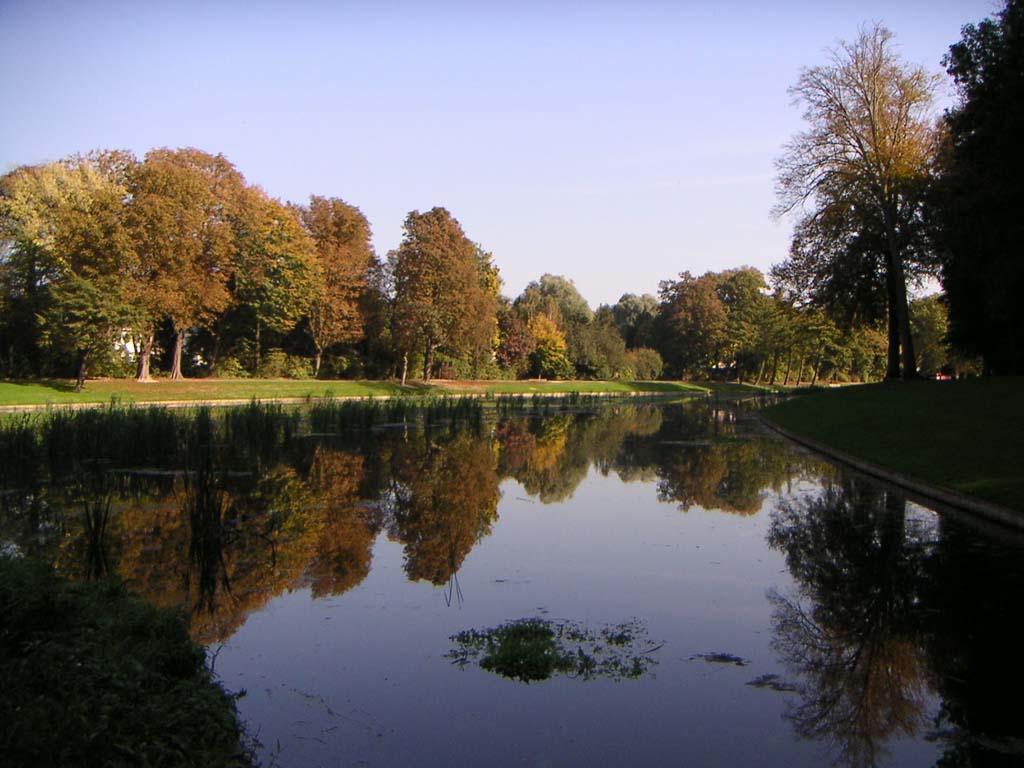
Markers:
{"x": 61, "y": 392}
{"x": 964, "y": 435}
{"x": 94, "y": 677}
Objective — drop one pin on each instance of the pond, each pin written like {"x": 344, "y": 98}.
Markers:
{"x": 590, "y": 583}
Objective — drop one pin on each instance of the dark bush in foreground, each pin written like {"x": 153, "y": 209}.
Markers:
{"x": 94, "y": 677}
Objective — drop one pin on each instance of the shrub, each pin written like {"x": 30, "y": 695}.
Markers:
{"x": 95, "y": 677}
{"x": 230, "y": 368}
{"x": 646, "y": 363}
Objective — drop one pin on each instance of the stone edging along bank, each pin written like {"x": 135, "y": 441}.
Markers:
{"x": 986, "y": 509}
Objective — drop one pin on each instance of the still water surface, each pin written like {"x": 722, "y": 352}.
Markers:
{"x": 779, "y": 610}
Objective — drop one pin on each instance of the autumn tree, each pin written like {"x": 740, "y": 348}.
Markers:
{"x": 515, "y": 342}
{"x": 345, "y": 254}
{"x": 691, "y": 323}
{"x": 867, "y": 154}
{"x": 180, "y": 216}
{"x": 439, "y": 288}
{"x": 548, "y": 359}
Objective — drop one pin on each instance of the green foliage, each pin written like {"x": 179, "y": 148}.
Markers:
{"x": 980, "y": 197}
{"x": 66, "y": 276}
{"x": 94, "y": 677}
{"x": 634, "y": 317}
{"x": 600, "y": 351}
{"x": 276, "y": 273}
{"x": 231, "y": 368}
{"x": 645, "y": 363}
{"x": 277, "y": 364}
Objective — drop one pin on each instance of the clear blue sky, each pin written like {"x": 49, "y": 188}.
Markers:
{"x": 615, "y": 143}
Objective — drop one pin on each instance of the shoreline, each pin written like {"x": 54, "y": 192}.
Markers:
{"x": 982, "y": 508}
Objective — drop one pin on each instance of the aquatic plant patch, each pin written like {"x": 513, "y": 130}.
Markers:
{"x": 537, "y": 649}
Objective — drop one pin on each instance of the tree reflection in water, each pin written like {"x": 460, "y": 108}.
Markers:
{"x": 233, "y": 508}
{"x": 442, "y": 500}
{"x": 852, "y": 631}
{"x": 219, "y": 515}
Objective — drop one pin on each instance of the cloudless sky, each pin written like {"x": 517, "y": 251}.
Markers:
{"x": 614, "y": 143}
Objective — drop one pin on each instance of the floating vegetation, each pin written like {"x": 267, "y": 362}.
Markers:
{"x": 536, "y": 649}
{"x": 720, "y": 658}
{"x": 774, "y": 683}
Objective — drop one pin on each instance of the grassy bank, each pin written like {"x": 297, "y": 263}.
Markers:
{"x": 60, "y": 392}
{"x": 94, "y": 677}
{"x": 964, "y": 435}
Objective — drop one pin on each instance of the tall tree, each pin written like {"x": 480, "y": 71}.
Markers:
{"x": 634, "y": 317}
{"x": 868, "y": 152}
{"x": 438, "y": 288}
{"x": 180, "y": 214}
{"x": 558, "y": 298}
{"x": 345, "y": 254}
{"x": 741, "y": 293}
{"x": 276, "y": 274}
{"x": 981, "y": 194}
{"x": 691, "y": 323}
{"x": 68, "y": 260}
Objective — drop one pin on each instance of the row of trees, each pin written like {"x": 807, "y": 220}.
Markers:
{"x": 179, "y": 258}
{"x": 105, "y": 249}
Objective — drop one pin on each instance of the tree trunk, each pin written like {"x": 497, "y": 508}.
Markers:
{"x": 142, "y": 369}
{"x": 428, "y": 361}
{"x": 896, "y": 287}
{"x": 892, "y": 365}
{"x": 83, "y": 363}
{"x": 775, "y": 366}
{"x": 909, "y": 358}
{"x": 800, "y": 370}
{"x": 215, "y": 352}
{"x": 179, "y": 345}
{"x": 256, "y": 351}
{"x": 789, "y": 368}
{"x": 760, "y": 371}
{"x": 317, "y": 357}
{"x": 815, "y": 370}
{"x": 405, "y": 366}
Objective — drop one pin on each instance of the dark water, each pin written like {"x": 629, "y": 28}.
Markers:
{"x": 717, "y": 597}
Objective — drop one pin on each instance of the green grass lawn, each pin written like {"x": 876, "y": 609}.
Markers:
{"x": 963, "y": 435}
{"x": 59, "y": 392}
